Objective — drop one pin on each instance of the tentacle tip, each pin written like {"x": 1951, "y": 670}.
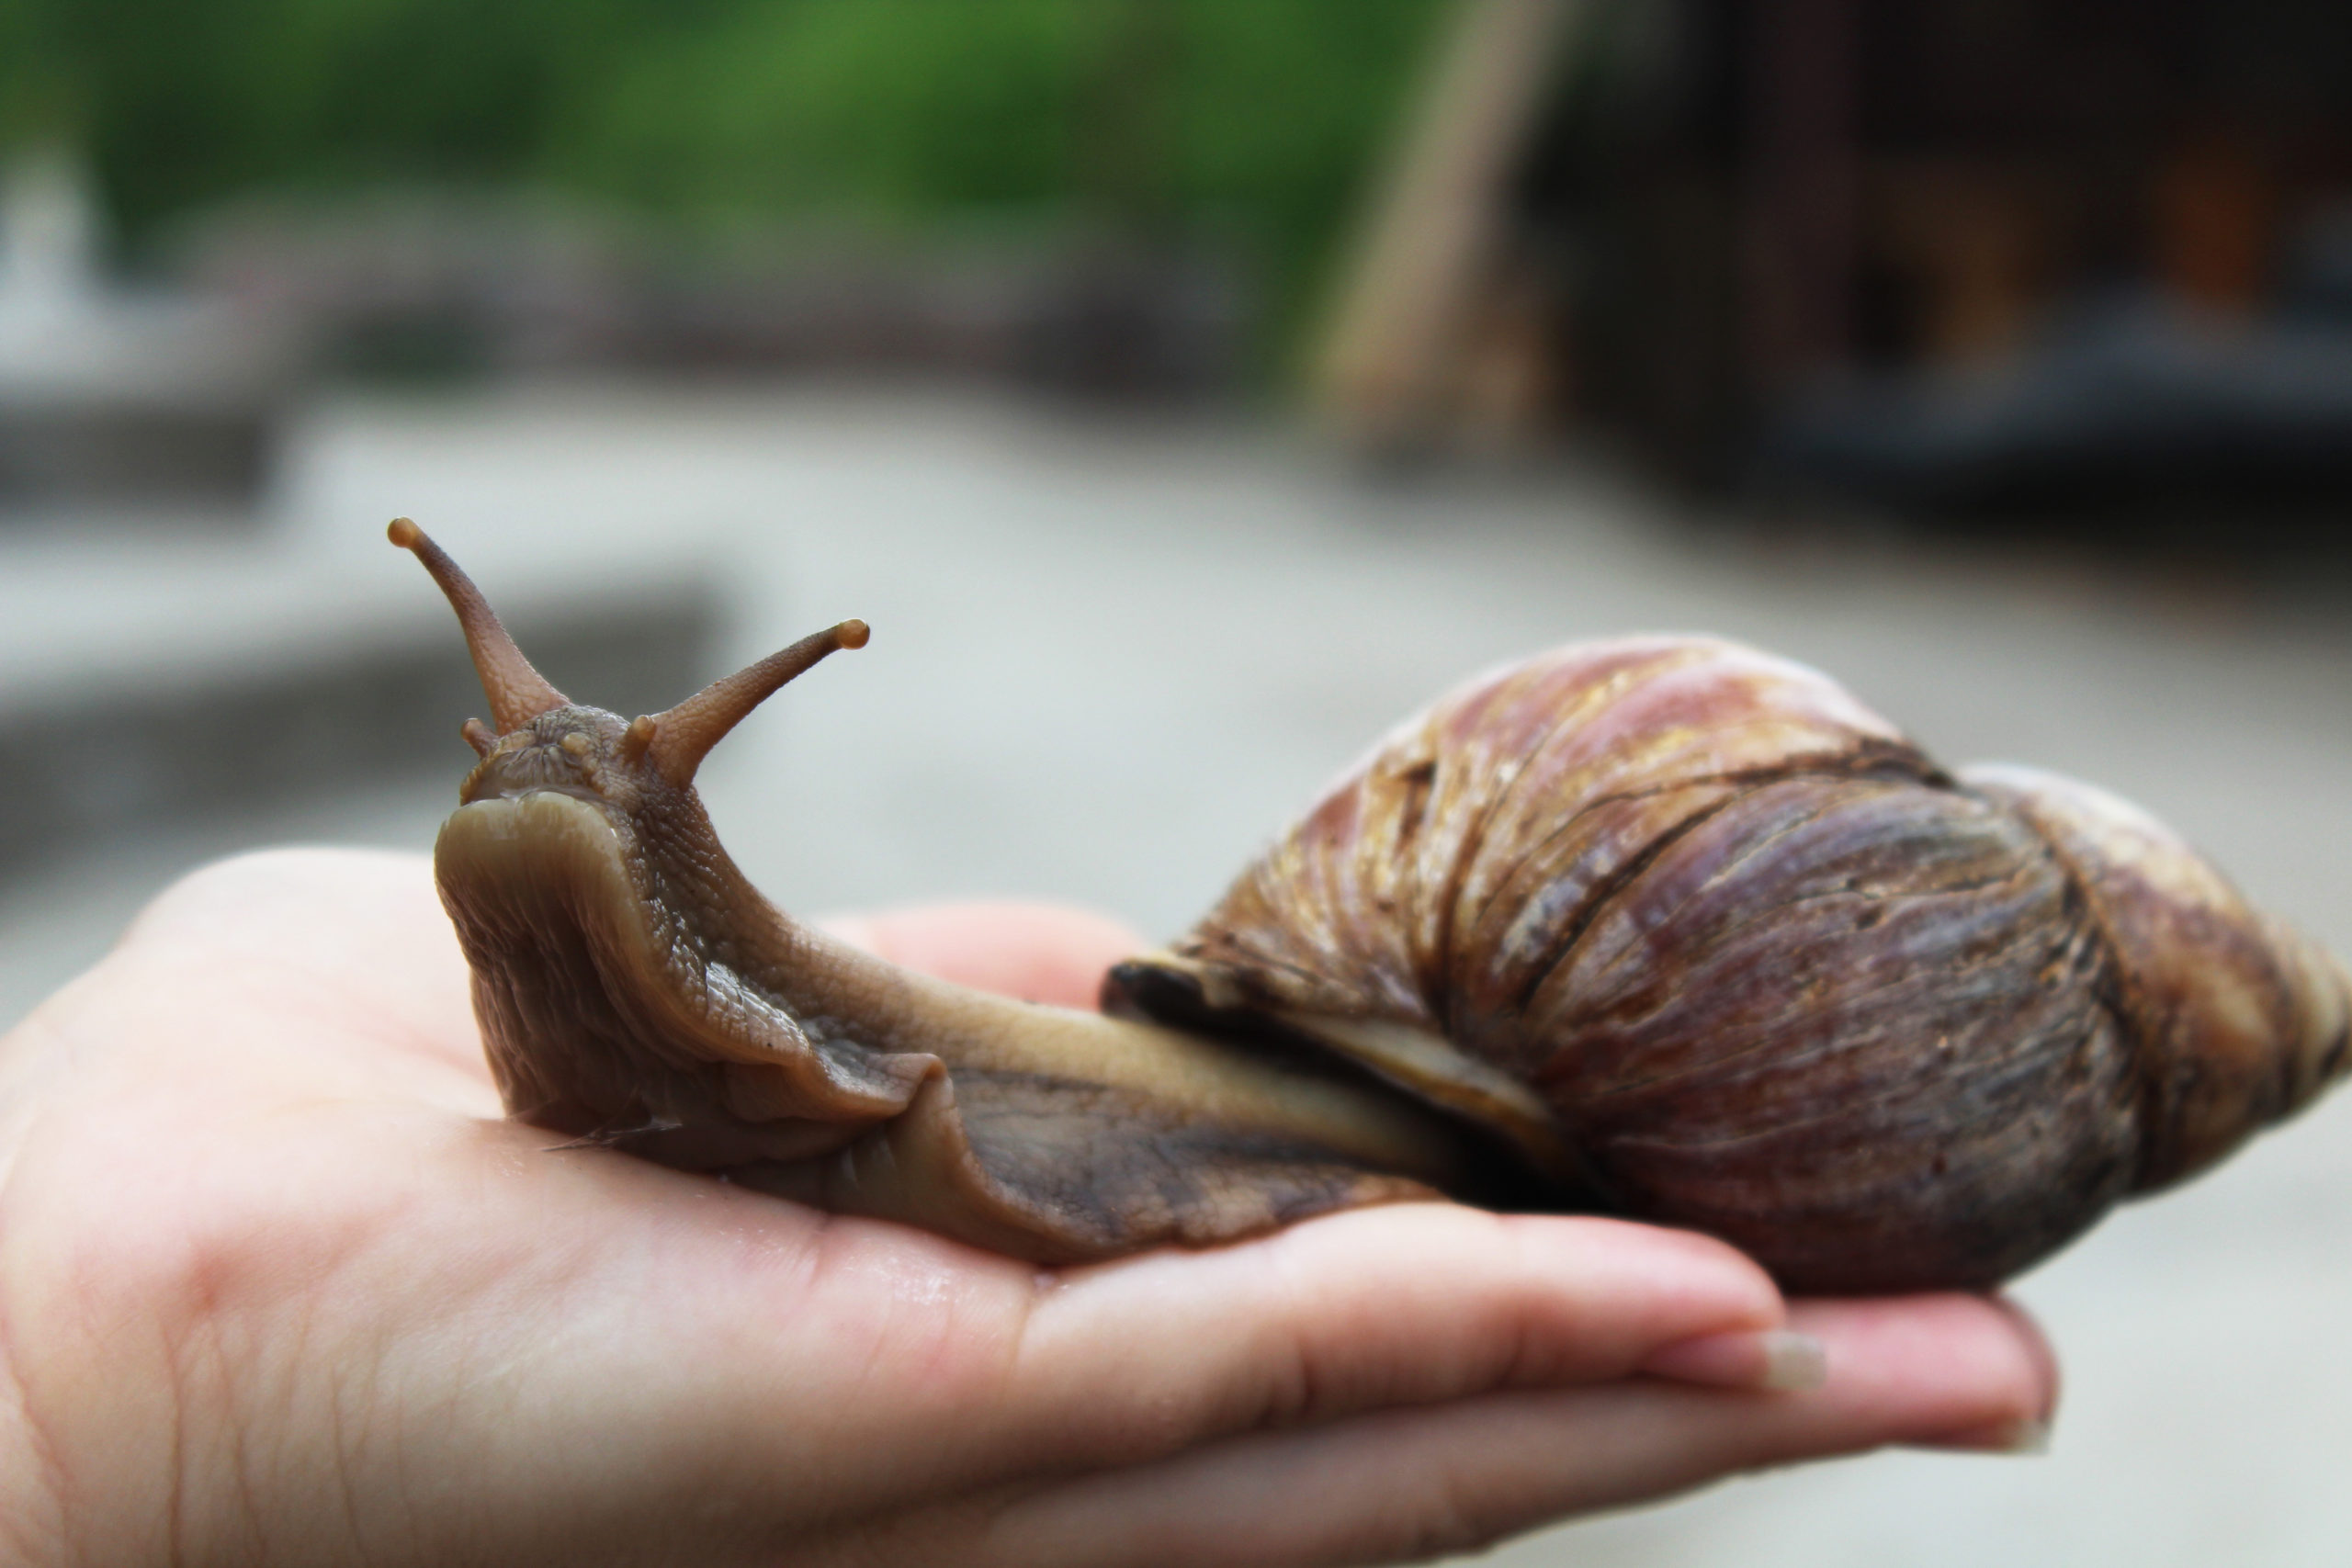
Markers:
{"x": 852, "y": 634}
{"x": 403, "y": 533}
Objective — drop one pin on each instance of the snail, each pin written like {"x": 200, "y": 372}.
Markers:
{"x": 1658, "y": 926}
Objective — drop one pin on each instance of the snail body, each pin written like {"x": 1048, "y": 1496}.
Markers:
{"x": 1659, "y": 927}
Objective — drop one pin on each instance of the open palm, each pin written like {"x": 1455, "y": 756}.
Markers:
{"x": 278, "y": 1285}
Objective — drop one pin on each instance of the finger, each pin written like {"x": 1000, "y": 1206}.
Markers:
{"x": 1767, "y": 1359}
{"x": 1403, "y": 1484}
{"x": 1041, "y": 953}
{"x": 921, "y": 1368}
{"x": 838, "y": 1367}
{"x": 2012, "y": 1432}
{"x": 1408, "y": 1304}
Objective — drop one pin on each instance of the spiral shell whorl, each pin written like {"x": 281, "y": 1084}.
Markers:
{"x": 1767, "y": 971}
{"x": 2238, "y": 1020}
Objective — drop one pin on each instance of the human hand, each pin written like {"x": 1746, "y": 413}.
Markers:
{"x": 279, "y": 1284}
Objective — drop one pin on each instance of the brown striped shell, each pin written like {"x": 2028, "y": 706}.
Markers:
{"x": 1708, "y": 943}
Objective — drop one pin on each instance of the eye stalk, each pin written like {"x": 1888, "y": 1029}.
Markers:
{"x": 675, "y": 740}
{"x": 517, "y": 693}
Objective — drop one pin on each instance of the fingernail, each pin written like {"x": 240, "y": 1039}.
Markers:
{"x": 1773, "y": 1358}
{"x": 2021, "y": 1435}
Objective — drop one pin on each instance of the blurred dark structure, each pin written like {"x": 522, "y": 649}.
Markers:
{"x": 1962, "y": 252}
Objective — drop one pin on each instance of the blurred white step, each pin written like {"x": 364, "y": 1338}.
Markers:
{"x": 151, "y": 676}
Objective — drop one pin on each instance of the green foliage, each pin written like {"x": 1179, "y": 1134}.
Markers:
{"x": 1285, "y": 107}
{"x": 1255, "y": 119}
{"x": 859, "y": 107}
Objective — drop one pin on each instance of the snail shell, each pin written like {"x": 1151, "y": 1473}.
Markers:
{"x": 1662, "y": 927}
{"x": 1690, "y": 926}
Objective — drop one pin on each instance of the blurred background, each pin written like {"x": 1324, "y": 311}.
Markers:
{"x": 1185, "y": 390}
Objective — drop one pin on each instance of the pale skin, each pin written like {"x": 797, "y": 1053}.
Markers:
{"x": 279, "y": 1285}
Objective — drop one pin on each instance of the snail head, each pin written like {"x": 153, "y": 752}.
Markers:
{"x": 540, "y": 741}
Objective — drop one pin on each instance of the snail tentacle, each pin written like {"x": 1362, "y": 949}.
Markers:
{"x": 517, "y": 693}
{"x": 679, "y": 738}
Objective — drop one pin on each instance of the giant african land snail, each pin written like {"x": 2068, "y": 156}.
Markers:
{"x": 1661, "y": 927}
